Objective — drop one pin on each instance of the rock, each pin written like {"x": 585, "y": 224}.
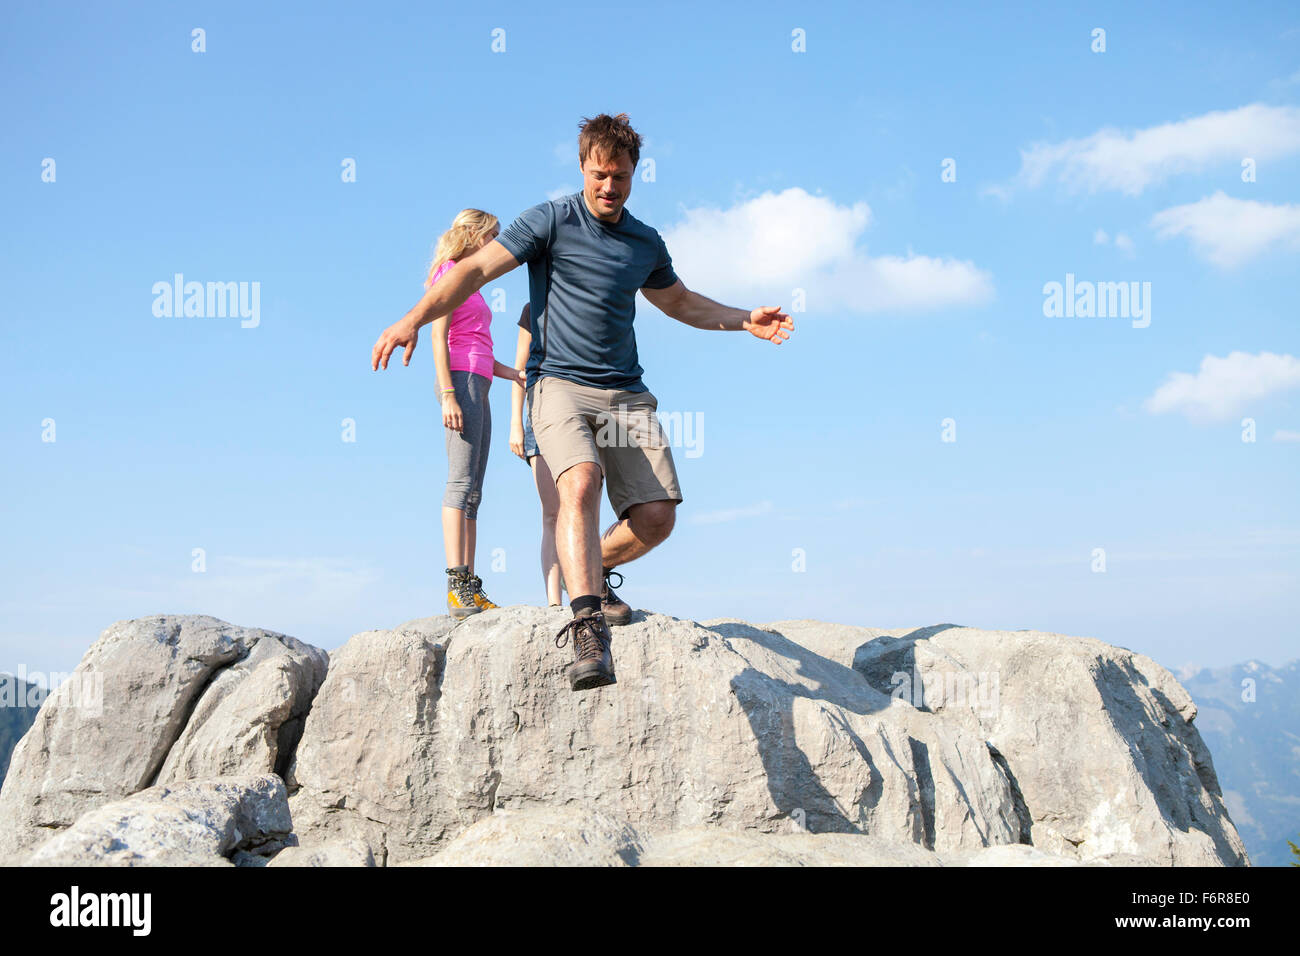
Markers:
{"x": 336, "y": 853}
{"x": 439, "y": 743}
{"x": 1010, "y": 854}
{"x": 364, "y": 768}
{"x": 1097, "y": 740}
{"x": 1019, "y": 854}
{"x": 421, "y": 731}
{"x": 709, "y": 846}
{"x": 251, "y": 713}
{"x": 835, "y": 642}
{"x": 581, "y": 836}
{"x": 542, "y": 836}
{"x": 157, "y": 700}
{"x": 196, "y": 823}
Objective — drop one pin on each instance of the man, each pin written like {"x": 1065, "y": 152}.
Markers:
{"x": 592, "y": 416}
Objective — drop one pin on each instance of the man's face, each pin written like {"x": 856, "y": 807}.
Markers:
{"x": 606, "y": 184}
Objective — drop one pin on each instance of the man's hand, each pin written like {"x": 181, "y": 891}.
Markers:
{"x": 397, "y": 335}
{"x": 769, "y": 322}
{"x": 699, "y": 312}
{"x": 442, "y": 299}
{"x": 517, "y": 439}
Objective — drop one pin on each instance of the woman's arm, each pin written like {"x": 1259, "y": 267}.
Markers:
{"x": 441, "y": 353}
{"x": 517, "y": 392}
{"x": 451, "y": 411}
{"x": 505, "y": 371}
{"x": 522, "y": 347}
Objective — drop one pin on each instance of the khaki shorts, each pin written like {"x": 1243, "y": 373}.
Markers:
{"x": 616, "y": 429}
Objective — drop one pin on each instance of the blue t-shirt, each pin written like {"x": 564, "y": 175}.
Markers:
{"x": 582, "y": 330}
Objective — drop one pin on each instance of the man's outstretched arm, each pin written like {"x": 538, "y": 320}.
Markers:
{"x": 700, "y": 312}
{"x": 442, "y": 298}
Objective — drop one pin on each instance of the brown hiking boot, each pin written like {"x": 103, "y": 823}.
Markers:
{"x": 593, "y": 664}
{"x": 617, "y": 611}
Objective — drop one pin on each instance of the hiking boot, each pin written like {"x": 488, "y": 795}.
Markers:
{"x": 617, "y": 612}
{"x": 593, "y": 664}
{"x": 460, "y": 594}
{"x": 480, "y": 598}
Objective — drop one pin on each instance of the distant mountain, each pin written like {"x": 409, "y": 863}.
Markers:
{"x": 1256, "y": 748}
{"x": 15, "y": 716}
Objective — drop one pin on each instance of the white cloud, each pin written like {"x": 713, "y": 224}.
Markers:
{"x": 559, "y": 191}
{"x": 321, "y": 575}
{"x": 1224, "y": 386}
{"x": 1227, "y": 231}
{"x": 1111, "y": 159}
{"x": 732, "y": 514}
{"x": 1286, "y": 81}
{"x": 1285, "y": 435}
{"x": 760, "y": 250}
{"x": 852, "y": 504}
{"x": 997, "y": 191}
{"x": 1122, "y": 242}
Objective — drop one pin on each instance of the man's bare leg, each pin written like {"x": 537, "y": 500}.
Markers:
{"x": 646, "y": 525}
{"x": 577, "y": 537}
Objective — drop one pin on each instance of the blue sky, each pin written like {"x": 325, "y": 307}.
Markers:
{"x": 774, "y": 170}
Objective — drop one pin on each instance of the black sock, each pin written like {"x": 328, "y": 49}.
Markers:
{"x": 588, "y": 602}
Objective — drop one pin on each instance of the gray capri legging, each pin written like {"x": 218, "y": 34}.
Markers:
{"x": 467, "y": 451}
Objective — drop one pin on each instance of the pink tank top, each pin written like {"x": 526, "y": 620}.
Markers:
{"x": 469, "y": 335}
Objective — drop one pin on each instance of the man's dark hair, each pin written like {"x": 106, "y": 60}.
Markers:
{"x": 606, "y": 136}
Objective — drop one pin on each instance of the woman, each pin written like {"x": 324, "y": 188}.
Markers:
{"x": 523, "y": 444}
{"x": 462, "y": 354}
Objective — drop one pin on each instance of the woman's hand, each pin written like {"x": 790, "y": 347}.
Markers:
{"x": 452, "y": 417}
{"x": 517, "y": 439}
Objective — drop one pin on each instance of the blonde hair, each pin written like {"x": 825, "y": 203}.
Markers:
{"x": 468, "y": 229}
